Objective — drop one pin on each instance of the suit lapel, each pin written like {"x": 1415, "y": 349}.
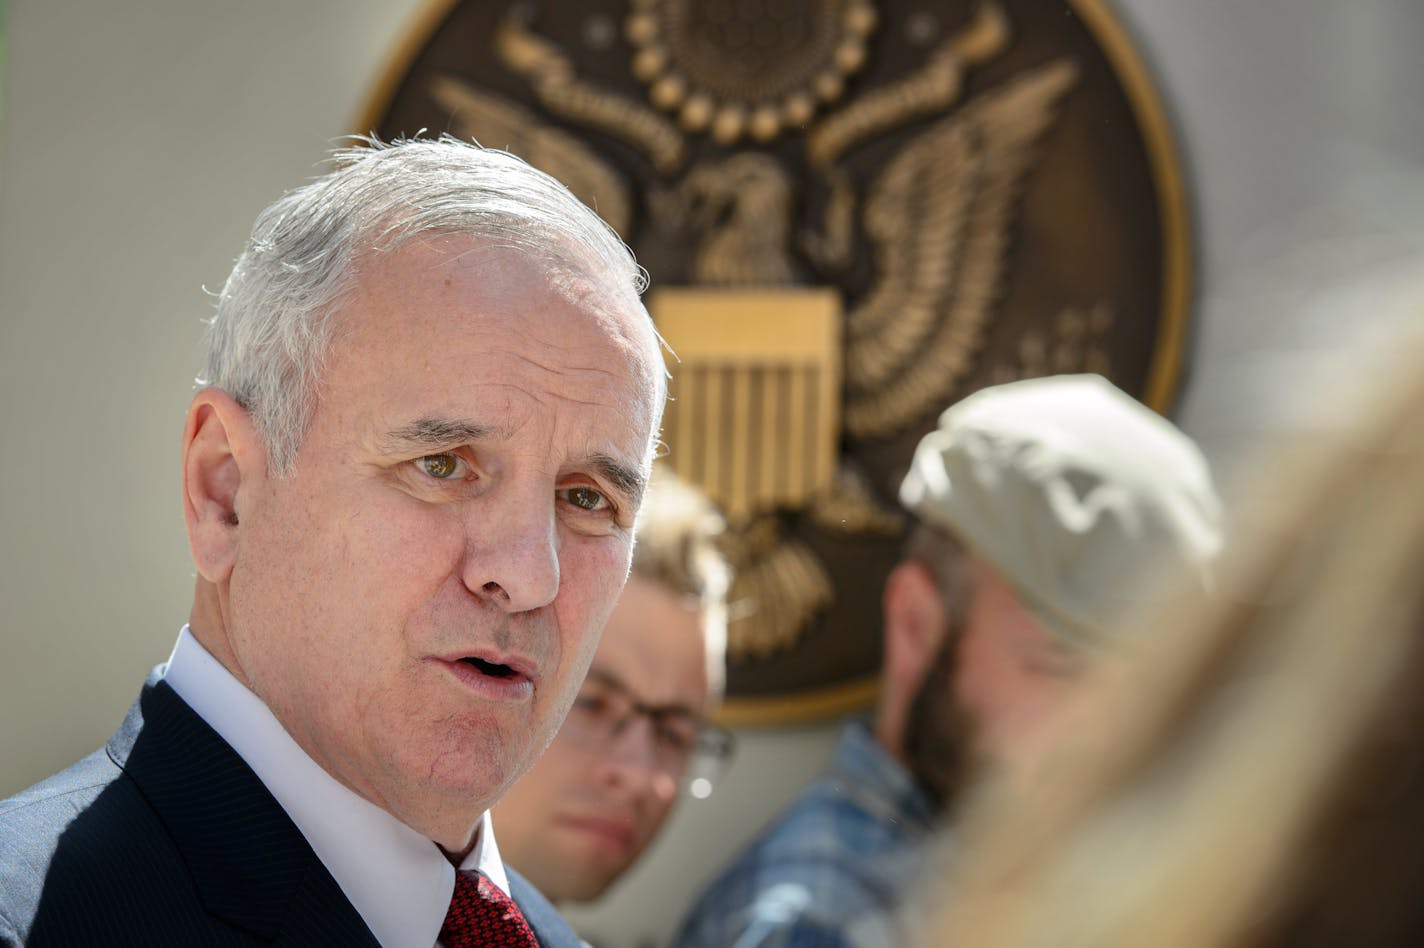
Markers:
{"x": 549, "y": 926}
{"x": 251, "y": 865}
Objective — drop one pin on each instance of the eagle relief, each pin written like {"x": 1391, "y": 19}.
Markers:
{"x": 853, "y": 213}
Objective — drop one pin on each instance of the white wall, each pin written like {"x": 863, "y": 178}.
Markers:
{"x": 1305, "y": 146}
{"x": 140, "y": 140}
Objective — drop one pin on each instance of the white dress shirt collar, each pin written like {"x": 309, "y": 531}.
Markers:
{"x": 397, "y": 879}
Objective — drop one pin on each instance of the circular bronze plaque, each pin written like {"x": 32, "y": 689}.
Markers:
{"x": 853, "y": 213}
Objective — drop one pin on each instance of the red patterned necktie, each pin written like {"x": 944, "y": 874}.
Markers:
{"x": 482, "y": 916}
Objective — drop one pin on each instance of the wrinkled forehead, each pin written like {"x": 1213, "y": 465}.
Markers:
{"x": 611, "y": 303}
{"x": 593, "y": 284}
{"x": 601, "y": 291}
{"x": 505, "y": 319}
{"x": 616, "y": 310}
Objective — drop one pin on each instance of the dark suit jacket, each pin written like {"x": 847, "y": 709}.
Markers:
{"x": 167, "y": 837}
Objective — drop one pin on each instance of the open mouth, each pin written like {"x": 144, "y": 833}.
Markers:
{"x": 510, "y": 680}
{"x": 493, "y": 669}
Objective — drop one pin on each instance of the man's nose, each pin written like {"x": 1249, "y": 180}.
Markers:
{"x": 512, "y": 553}
{"x": 631, "y": 762}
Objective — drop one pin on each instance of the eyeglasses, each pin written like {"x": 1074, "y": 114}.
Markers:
{"x": 685, "y": 747}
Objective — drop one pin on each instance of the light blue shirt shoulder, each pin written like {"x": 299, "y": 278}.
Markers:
{"x": 846, "y": 849}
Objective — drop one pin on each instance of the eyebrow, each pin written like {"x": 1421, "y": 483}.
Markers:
{"x": 436, "y": 433}
{"x": 611, "y": 680}
{"x": 628, "y": 481}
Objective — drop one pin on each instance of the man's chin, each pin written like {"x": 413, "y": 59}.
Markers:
{"x": 590, "y": 872}
{"x": 446, "y": 807}
{"x": 586, "y": 889}
{"x": 563, "y": 879}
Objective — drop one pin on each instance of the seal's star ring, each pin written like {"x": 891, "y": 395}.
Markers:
{"x": 797, "y": 57}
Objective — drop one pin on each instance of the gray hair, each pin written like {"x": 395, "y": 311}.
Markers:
{"x": 270, "y": 334}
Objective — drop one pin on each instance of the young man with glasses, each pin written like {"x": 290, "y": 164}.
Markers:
{"x": 637, "y": 733}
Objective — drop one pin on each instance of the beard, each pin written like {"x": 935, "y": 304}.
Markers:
{"x": 939, "y": 732}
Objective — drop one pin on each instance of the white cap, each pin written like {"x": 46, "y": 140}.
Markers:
{"x": 1073, "y": 491}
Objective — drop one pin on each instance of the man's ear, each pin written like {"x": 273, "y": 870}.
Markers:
{"x": 914, "y": 622}
{"x": 222, "y": 456}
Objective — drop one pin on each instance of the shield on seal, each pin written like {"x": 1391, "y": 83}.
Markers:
{"x": 754, "y": 414}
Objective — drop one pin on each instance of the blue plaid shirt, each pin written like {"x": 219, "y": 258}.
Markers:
{"x": 831, "y": 869}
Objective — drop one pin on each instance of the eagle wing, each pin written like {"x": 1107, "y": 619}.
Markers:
{"x": 777, "y": 594}
{"x": 939, "y": 218}
{"x": 496, "y": 123}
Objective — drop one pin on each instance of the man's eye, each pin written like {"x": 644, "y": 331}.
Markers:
{"x": 586, "y": 498}
{"x": 677, "y": 737}
{"x": 596, "y": 706}
{"x": 439, "y": 466}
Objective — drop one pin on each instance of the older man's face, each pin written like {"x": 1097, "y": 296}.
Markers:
{"x": 419, "y": 601}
